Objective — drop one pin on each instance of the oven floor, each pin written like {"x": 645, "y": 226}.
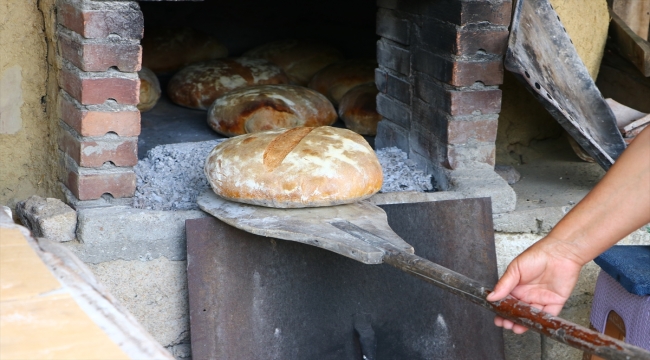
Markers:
{"x": 168, "y": 123}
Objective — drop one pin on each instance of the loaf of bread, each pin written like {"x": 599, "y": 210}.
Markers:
{"x": 358, "y": 109}
{"x": 165, "y": 50}
{"x": 299, "y": 59}
{"x": 149, "y": 89}
{"x": 336, "y": 79}
{"x": 198, "y": 85}
{"x": 293, "y": 168}
{"x": 269, "y": 107}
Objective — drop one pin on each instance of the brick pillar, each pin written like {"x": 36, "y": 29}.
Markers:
{"x": 440, "y": 64}
{"x": 100, "y": 53}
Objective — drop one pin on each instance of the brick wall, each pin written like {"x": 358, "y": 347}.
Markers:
{"x": 99, "y": 46}
{"x": 440, "y": 64}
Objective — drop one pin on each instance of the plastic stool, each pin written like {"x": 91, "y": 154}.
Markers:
{"x": 621, "y": 305}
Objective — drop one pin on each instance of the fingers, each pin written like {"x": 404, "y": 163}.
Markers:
{"x": 506, "y": 284}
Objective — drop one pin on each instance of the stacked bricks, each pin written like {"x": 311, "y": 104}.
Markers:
{"x": 100, "y": 53}
{"x": 440, "y": 64}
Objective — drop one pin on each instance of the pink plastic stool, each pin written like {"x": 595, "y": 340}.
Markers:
{"x": 633, "y": 310}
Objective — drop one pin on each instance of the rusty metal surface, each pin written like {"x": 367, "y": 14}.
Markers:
{"x": 542, "y": 56}
{"x": 253, "y": 297}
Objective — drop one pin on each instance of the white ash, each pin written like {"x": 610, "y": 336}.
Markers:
{"x": 171, "y": 176}
{"x": 401, "y": 173}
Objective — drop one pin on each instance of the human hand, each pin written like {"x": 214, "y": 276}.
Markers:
{"x": 543, "y": 276}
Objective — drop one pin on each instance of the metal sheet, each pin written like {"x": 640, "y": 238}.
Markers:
{"x": 253, "y": 297}
{"x": 542, "y": 56}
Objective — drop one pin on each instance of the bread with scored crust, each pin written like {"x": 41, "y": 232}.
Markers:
{"x": 358, "y": 109}
{"x": 165, "y": 50}
{"x": 299, "y": 59}
{"x": 268, "y": 107}
{"x": 294, "y": 168}
{"x": 336, "y": 79}
{"x": 198, "y": 85}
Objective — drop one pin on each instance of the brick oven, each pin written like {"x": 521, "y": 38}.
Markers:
{"x": 440, "y": 65}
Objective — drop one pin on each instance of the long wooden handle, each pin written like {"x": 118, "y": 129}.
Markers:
{"x": 512, "y": 309}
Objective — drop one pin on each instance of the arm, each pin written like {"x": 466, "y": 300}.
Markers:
{"x": 545, "y": 274}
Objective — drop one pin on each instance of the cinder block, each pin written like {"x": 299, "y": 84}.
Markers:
{"x": 122, "y": 120}
{"x": 49, "y": 218}
{"x": 100, "y": 55}
{"x": 393, "y": 86}
{"x": 94, "y": 152}
{"x": 96, "y": 88}
{"x": 102, "y": 20}
{"x": 458, "y": 72}
{"x": 393, "y": 27}
{"x": 392, "y": 56}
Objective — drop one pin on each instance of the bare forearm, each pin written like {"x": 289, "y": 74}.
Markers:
{"x": 618, "y": 205}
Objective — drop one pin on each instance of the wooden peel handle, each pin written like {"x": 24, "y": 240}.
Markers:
{"x": 517, "y": 311}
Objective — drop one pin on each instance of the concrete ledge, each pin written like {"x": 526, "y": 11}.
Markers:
{"x": 125, "y": 233}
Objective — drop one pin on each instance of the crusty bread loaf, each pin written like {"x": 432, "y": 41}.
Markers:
{"x": 149, "y": 89}
{"x": 293, "y": 168}
{"x": 358, "y": 109}
{"x": 268, "y": 107}
{"x": 299, "y": 59}
{"x": 165, "y": 50}
{"x": 198, "y": 85}
{"x": 336, "y": 79}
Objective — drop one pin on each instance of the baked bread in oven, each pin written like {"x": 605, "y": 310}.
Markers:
{"x": 336, "y": 79}
{"x": 299, "y": 59}
{"x": 149, "y": 89}
{"x": 268, "y": 107}
{"x": 294, "y": 168}
{"x": 198, "y": 85}
{"x": 165, "y": 50}
{"x": 358, "y": 109}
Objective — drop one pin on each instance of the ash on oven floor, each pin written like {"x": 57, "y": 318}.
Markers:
{"x": 171, "y": 176}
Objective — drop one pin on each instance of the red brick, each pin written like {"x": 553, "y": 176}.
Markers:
{"x": 392, "y": 27}
{"x": 463, "y": 131}
{"x": 94, "y": 153}
{"x": 462, "y": 41}
{"x": 99, "y": 123}
{"x": 96, "y": 90}
{"x": 101, "y": 56}
{"x": 474, "y": 102}
{"x": 461, "y": 72}
{"x": 459, "y": 156}
{"x": 125, "y": 21}
{"x": 93, "y": 186}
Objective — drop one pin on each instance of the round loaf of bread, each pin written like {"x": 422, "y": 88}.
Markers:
{"x": 358, "y": 109}
{"x": 336, "y": 79}
{"x": 269, "y": 107}
{"x": 149, "y": 89}
{"x": 198, "y": 85}
{"x": 293, "y": 168}
{"x": 165, "y": 50}
{"x": 299, "y": 59}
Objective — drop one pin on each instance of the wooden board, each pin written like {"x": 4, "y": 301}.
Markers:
{"x": 38, "y": 318}
{"x": 635, "y": 13}
{"x": 630, "y": 45}
{"x": 310, "y": 225}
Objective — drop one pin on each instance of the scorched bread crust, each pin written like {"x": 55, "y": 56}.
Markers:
{"x": 323, "y": 166}
{"x": 269, "y": 107}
